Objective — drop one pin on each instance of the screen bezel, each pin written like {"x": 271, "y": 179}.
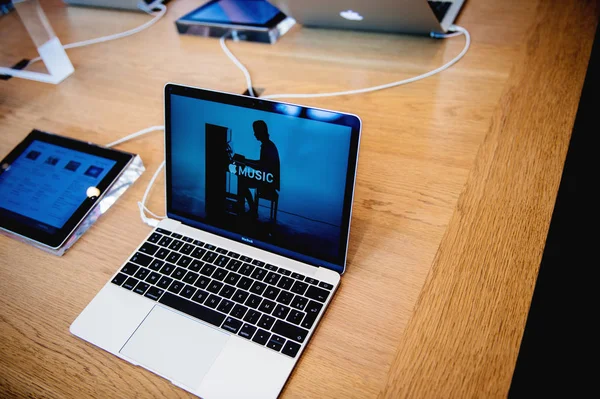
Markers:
{"x": 344, "y": 119}
{"x": 56, "y": 239}
{"x": 280, "y": 16}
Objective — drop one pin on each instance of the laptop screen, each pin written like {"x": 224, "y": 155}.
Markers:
{"x": 276, "y": 176}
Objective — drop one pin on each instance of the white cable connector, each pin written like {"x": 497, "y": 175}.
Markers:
{"x": 142, "y": 204}
{"x": 455, "y": 30}
{"x": 237, "y": 62}
{"x": 158, "y": 15}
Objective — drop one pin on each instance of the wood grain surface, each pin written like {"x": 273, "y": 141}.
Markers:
{"x": 456, "y": 183}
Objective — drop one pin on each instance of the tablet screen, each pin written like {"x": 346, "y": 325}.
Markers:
{"x": 249, "y": 12}
{"x": 46, "y": 184}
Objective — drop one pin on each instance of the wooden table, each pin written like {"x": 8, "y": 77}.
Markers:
{"x": 456, "y": 184}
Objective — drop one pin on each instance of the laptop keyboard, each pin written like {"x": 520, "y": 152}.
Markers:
{"x": 440, "y": 8}
{"x": 258, "y": 301}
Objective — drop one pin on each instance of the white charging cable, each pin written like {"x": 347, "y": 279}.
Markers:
{"x": 142, "y": 204}
{"x": 454, "y": 30}
{"x": 237, "y": 62}
{"x": 158, "y": 15}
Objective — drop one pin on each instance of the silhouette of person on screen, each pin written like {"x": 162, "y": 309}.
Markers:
{"x": 265, "y": 176}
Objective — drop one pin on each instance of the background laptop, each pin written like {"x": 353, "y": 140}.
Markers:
{"x": 133, "y": 5}
{"x": 222, "y": 297}
{"x": 398, "y": 16}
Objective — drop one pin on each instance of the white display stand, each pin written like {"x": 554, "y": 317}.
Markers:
{"x": 48, "y": 45}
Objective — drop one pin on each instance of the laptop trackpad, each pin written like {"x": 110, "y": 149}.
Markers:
{"x": 175, "y": 346}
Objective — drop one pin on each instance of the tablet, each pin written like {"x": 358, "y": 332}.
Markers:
{"x": 49, "y": 183}
{"x": 254, "y": 13}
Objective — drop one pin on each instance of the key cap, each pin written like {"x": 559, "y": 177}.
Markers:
{"x": 317, "y": 293}
{"x": 240, "y": 296}
{"x": 232, "y": 278}
{"x": 141, "y": 288}
{"x": 176, "y": 235}
{"x": 165, "y": 241}
{"x": 275, "y": 343}
{"x": 155, "y": 237}
{"x": 285, "y": 283}
{"x": 188, "y": 291}
{"x": 259, "y": 274}
{"x": 163, "y": 231}
{"x": 173, "y": 257}
{"x": 290, "y": 348}
{"x": 148, "y": 248}
{"x": 232, "y": 325}
{"x": 184, "y": 261}
{"x": 142, "y": 273}
{"x": 256, "y": 262}
{"x": 199, "y": 243}
{"x": 285, "y": 297}
{"x": 175, "y": 287}
{"x": 233, "y": 265}
{"x": 290, "y": 331}
{"x": 247, "y": 331}
{"x": 156, "y": 265}
{"x": 281, "y": 311}
{"x": 312, "y": 311}
{"x": 167, "y": 269}
{"x": 179, "y": 273}
{"x": 298, "y": 276}
{"x": 271, "y": 267}
{"x": 244, "y": 283}
{"x": 214, "y": 286}
{"x": 219, "y": 274}
{"x": 154, "y": 293}
{"x": 311, "y": 280}
{"x": 272, "y": 278}
{"x": 200, "y": 312}
{"x": 198, "y": 253}
{"x": 295, "y": 317}
{"x": 266, "y": 306}
{"x": 153, "y": 278}
{"x": 200, "y": 296}
{"x": 245, "y": 259}
{"x": 253, "y": 301}
{"x": 233, "y": 255}
{"x": 162, "y": 253}
{"x": 225, "y": 306}
{"x": 238, "y": 311}
{"x": 221, "y": 250}
{"x": 299, "y": 302}
{"x": 130, "y": 269}
{"x": 285, "y": 272}
{"x": 209, "y": 257}
{"x": 261, "y": 337}
{"x": 187, "y": 249}
{"x": 325, "y": 285}
{"x": 202, "y": 282}
{"x": 188, "y": 239}
{"x": 227, "y": 291}
{"x": 207, "y": 270}
{"x": 246, "y": 269}
{"x": 210, "y": 247}
{"x": 266, "y": 322}
{"x": 141, "y": 259}
{"x": 119, "y": 279}
{"x": 271, "y": 292}
{"x": 299, "y": 288}
{"x": 190, "y": 277}
{"x": 222, "y": 260}
{"x": 164, "y": 282}
{"x": 212, "y": 301}
{"x": 130, "y": 283}
{"x": 258, "y": 288}
{"x": 196, "y": 265}
{"x": 176, "y": 245}
{"x": 252, "y": 316}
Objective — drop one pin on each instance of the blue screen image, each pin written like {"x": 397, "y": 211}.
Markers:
{"x": 47, "y": 183}
{"x": 236, "y": 11}
{"x": 303, "y": 161}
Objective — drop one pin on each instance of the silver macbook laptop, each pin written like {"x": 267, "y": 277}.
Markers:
{"x": 224, "y": 295}
{"x": 396, "y": 16}
{"x": 132, "y": 5}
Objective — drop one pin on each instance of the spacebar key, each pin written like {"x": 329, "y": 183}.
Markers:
{"x": 198, "y": 311}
